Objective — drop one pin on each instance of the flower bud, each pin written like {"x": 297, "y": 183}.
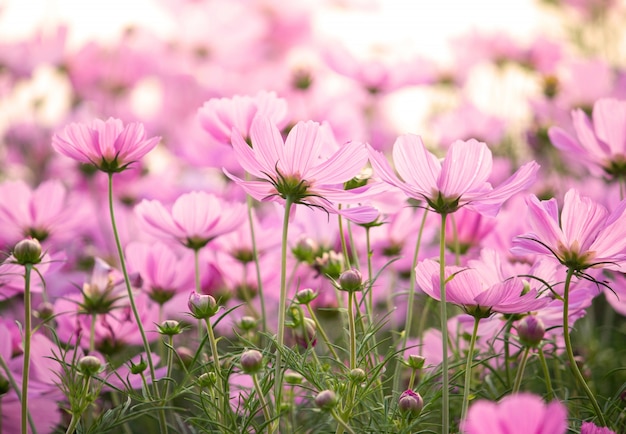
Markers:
{"x": 139, "y": 367}
{"x": 351, "y": 280}
{"x": 27, "y": 252}
{"x": 251, "y": 361}
{"x": 357, "y": 375}
{"x": 202, "y": 306}
{"x": 90, "y": 366}
{"x": 531, "y": 330}
{"x": 170, "y": 327}
{"x": 305, "y": 334}
{"x": 207, "y": 380}
{"x": 415, "y": 362}
{"x": 305, "y": 296}
{"x": 248, "y": 323}
{"x": 45, "y": 311}
{"x": 305, "y": 250}
{"x": 293, "y": 378}
{"x": 410, "y": 403}
{"x": 326, "y": 400}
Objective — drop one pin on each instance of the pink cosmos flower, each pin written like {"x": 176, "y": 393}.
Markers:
{"x": 195, "y": 219}
{"x": 218, "y": 116}
{"x": 305, "y": 168}
{"x": 600, "y": 142}
{"x": 585, "y": 235}
{"x": 522, "y": 413}
{"x": 461, "y": 180}
{"x": 592, "y": 428}
{"x": 109, "y": 145}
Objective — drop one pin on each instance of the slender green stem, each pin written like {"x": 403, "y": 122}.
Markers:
{"x": 27, "y": 336}
{"x": 282, "y": 306}
{"x": 216, "y": 364}
{"x": 352, "y": 330}
{"x": 546, "y": 374}
{"x": 520, "y": 371}
{"x": 507, "y": 349}
{"x": 468, "y": 369}
{"x": 133, "y": 306}
{"x": 92, "y": 333}
{"x": 343, "y": 426}
{"x": 369, "y": 305}
{"x": 344, "y": 244}
{"x": 255, "y": 255}
{"x": 455, "y": 242}
{"x": 570, "y": 351}
{"x": 18, "y": 391}
{"x": 321, "y": 331}
{"x": 170, "y": 363}
{"x": 445, "y": 393}
{"x": 262, "y": 400}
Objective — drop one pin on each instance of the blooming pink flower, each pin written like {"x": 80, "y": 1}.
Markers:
{"x": 304, "y": 168}
{"x": 522, "y": 413}
{"x": 586, "y": 234}
{"x": 592, "y": 428}
{"x": 461, "y": 180}
{"x": 600, "y": 142}
{"x": 109, "y": 145}
{"x": 195, "y": 218}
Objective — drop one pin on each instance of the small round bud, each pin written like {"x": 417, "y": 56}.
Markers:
{"x": 305, "y": 334}
{"x": 248, "y": 323}
{"x": 27, "y": 252}
{"x": 45, "y": 311}
{"x": 357, "y": 375}
{"x": 531, "y": 331}
{"x": 139, "y": 367}
{"x": 305, "y": 250}
{"x": 170, "y": 327}
{"x": 90, "y": 366}
{"x": 415, "y": 362}
{"x": 410, "y": 403}
{"x": 207, "y": 380}
{"x": 293, "y": 378}
{"x": 202, "y": 306}
{"x": 305, "y": 296}
{"x": 251, "y": 361}
{"x": 351, "y": 280}
{"x": 326, "y": 400}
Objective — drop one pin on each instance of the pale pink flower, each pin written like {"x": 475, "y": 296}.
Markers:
{"x": 304, "y": 168}
{"x": 585, "y": 234}
{"x": 109, "y": 145}
{"x": 523, "y": 413}
{"x": 194, "y": 220}
{"x": 600, "y": 142}
{"x": 460, "y": 180}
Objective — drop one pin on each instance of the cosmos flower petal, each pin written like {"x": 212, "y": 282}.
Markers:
{"x": 467, "y": 166}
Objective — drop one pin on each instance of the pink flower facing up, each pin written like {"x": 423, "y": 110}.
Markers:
{"x": 586, "y": 234}
{"x": 600, "y": 142}
{"x": 195, "y": 219}
{"x": 304, "y": 169}
{"x": 522, "y": 413}
{"x": 109, "y": 145}
{"x": 460, "y": 180}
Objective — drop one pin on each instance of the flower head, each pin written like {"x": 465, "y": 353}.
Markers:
{"x": 109, "y": 145}
{"x": 460, "y": 180}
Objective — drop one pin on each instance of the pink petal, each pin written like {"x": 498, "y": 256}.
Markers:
{"x": 467, "y": 167}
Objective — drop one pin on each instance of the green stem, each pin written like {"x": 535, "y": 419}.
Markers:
{"x": 507, "y": 349}
{"x": 369, "y": 305}
{"x": 216, "y": 364}
{"x": 445, "y": 393}
{"x": 27, "y": 337}
{"x": 282, "y": 306}
{"x": 468, "y": 369}
{"x": 255, "y": 255}
{"x": 570, "y": 351}
{"x": 352, "y": 330}
{"x": 170, "y": 363}
{"x": 520, "y": 371}
{"x": 92, "y": 333}
{"x": 546, "y": 374}
{"x": 133, "y": 306}
{"x": 344, "y": 245}
{"x": 321, "y": 331}
{"x": 18, "y": 391}
{"x": 262, "y": 400}
{"x": 342, "y": 425}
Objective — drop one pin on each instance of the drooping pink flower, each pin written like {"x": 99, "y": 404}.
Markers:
{"x": 600, "y": 142}
{"x": 461, "y": 180}
{"x": 522, "y": 413}
{"x": 585, "y": 235}
{"x": 109, "y": 145}
{"x": 306, "y": 168}
{"x": 195, "y": 219}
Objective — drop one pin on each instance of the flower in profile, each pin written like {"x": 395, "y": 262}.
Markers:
{"x": 460, "y": 180}
{"x": 195, "y": 219}
{"x": 304, "y": 169}
{"x": 109, "y": 145}
{"x": 522, "y": 413}
{"x": 586, "y": 234}
{"x": 600, "y": 142}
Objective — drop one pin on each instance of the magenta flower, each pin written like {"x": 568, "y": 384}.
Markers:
{"x": 305, "y": 168}
{"x": 195, "y": 218}
{"x": 523, "y": 413}
{"x": 600, "y": 142}
{"x": 461, "y": 180}
{"x": 109, "y": 145}
{"x": 586, "y": 234}
{"x": 592, "y": 428}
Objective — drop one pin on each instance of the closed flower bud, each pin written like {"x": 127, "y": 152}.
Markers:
{"x": 410, "y": 403}
{"x": 293, "y": 378}
{"x": 251, "y": 361}
{"x": 139, "y": 367}
{"x": 351, "y": 280}
{"x": 305, "y": 250}
{"x": 27, "y": 252}
{"x": 305, "y": 333}
{"x": 248, "y": 323}
{"x": 170, "y": 327}
{"x": 326, "y": 400}
{"x": 305, "y": 296}
{"x": 90, "y": 366}
{"x": 45, "y": 311}
{"x": 202, "y": 306}
{"x": 531, "y": 330}
{"x": 357, "y": 375}
{"x": 207, "y": 380}
{"x": 415, "y": 362}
